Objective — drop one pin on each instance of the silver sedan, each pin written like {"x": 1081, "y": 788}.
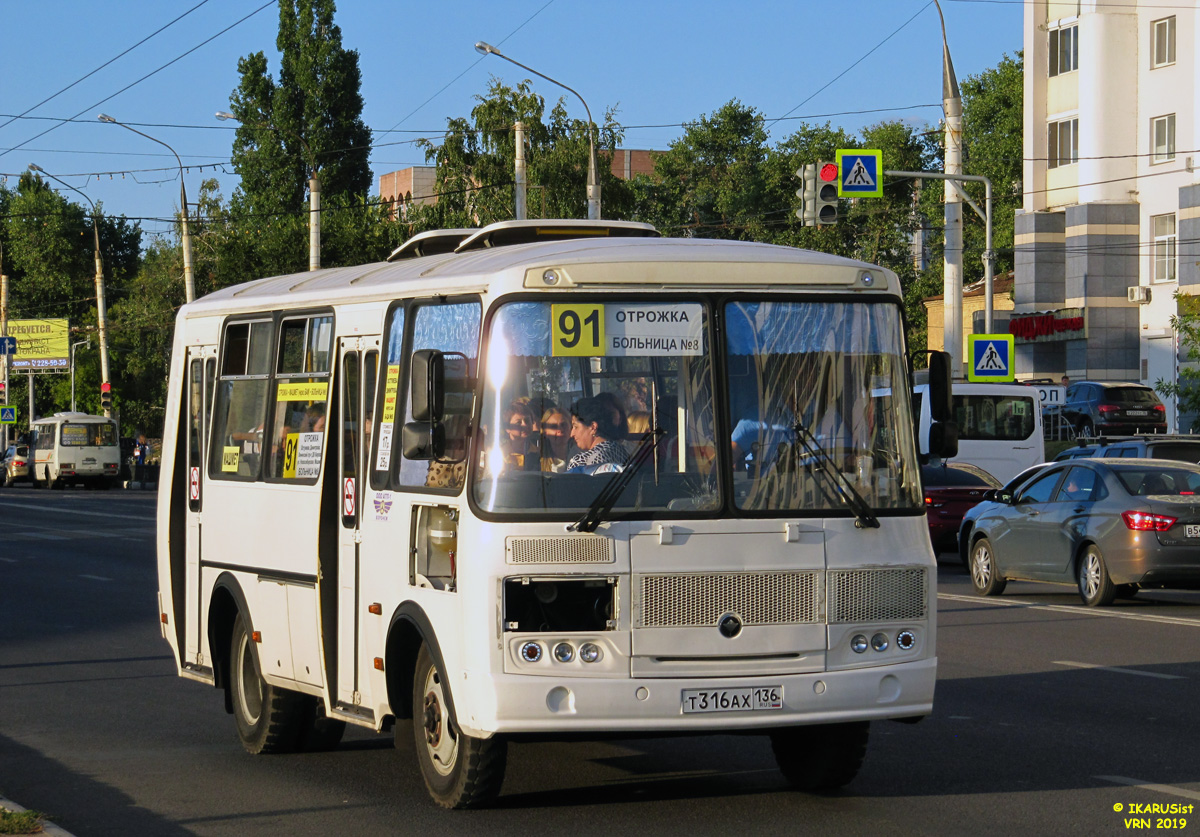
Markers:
{"x": 1111, "y": 526}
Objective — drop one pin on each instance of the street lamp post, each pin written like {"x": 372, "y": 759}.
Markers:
{"x": 189, "y": 281}
{"x": 73, "y": 346}
{"x": 314, "y": 188}
{"x": 593, "y": 185}
{"x": 101, "y": 310}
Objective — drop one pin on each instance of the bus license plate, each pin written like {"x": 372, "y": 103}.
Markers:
{"x": 1192, "y": 531}
{"x": 750, "y": 699}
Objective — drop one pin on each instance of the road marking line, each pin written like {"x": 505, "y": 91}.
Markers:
{"x": 96, "y": 577}
{"x": 56, "y": 510}
{"x": 1120, "y": 670}
{"x": 9, "y": 560}
{"x": 1079, "y": 610}
{"x": 45, "y": 536}
{"x": 1138, "y": 783}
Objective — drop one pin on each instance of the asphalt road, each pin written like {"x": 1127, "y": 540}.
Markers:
{"x": 1047, "y": 715}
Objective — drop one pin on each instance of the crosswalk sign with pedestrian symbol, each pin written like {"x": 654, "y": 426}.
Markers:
{"x": 860, "y": 173}
{"x": 991, "y": 357}
{"x": 8, "y": 415}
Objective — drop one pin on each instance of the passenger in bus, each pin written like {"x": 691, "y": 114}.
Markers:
{"x": 314, "y": 418}
{"x": 555, "y": 440}
{"x": 638, "y": 426}
{"x": 596, "y": 427}
{"x": 518, "y": 428}
{"x": 617, "y": 411}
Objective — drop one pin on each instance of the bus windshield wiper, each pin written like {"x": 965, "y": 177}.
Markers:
{"x": 607, "y": 498}
{"x": 864, "y": 519}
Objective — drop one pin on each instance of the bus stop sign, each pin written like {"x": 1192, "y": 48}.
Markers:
{"x": 991, "y": 357}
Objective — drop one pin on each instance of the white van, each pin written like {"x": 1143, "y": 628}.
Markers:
{"x": 74, "y": 448}
{"x": 999, "y": 426}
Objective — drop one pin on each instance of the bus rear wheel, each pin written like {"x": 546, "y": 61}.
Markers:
{"x": 822, "y": 757}
{"x": 268, "y": 718}
{"x": 459, "y": 771}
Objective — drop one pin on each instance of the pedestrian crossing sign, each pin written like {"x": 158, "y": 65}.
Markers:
{"x": 860, "y": 173}
{"x": 991, "y": 357}
{"x": 8, "y": 415}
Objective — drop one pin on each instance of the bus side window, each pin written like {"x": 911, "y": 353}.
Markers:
{"x": 391, "y": 401}
{"x": 241, "y": 401}
{"x": 451, "y": 328}
{"x": 301, "y": 396}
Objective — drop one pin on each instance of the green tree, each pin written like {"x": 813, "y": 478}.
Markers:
{"x": 476, "y": 163}
{"x": 1186, "y": 390}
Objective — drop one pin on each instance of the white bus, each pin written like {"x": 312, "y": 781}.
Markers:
{"x": 74, "y": 449}
{"x": 999, "y": 426}
{"x": 370, "y": 512}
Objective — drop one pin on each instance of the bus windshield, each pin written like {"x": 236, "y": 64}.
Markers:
{"x": 89, "y": 434}
{"x": 572, "y": 391}
{"x": 817, "y": 389}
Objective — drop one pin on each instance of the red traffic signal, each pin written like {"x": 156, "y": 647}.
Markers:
{"x": 106, "y": 387}
{"x": 829, "y": 172}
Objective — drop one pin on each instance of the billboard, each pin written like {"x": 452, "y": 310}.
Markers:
{"x": 42, "y": 345}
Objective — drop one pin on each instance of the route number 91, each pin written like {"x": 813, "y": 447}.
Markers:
{"x": 577, "y": 330}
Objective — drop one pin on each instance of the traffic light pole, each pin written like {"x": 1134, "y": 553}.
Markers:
{"x": 989, "y": 255}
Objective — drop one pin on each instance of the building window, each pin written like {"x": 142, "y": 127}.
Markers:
{"x": 1064, "y": 50}
{"x": 1162, "y": 42}
{"x": 1164, "y": 247}
{"x": 1064, "y": 143}
{"x": 1162, "y": 138}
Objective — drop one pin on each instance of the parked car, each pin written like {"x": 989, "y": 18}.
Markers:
{"x": 1093, "y": 407}
{"x": 15, "y": 464}
{"x": 1180, "y": 448}
{"x": 1113, "y": 526}
{"x": 952, "y": 488}
{"x": 967, "y": 527}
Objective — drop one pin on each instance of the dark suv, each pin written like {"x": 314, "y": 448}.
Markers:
{"x": 1179, "y": 448}
{"x": 1093, "y": 407}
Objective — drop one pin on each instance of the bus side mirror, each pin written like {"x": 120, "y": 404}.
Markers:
{"x": 941, "y": 398}
{"x": 423, "y": 440}
{"x": 428, "y": 387}
{"x": 943, "y": 439}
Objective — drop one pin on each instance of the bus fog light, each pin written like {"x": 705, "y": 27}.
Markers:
{"x": 589, "y": 652}
{"x": 906, "y": 640}
{"x": 550, "y": 277}
{"x": 879, "y": 642}
{"x": 859, "y": 644}
{"x": 563, "y": 652}
{"x": 531, "y": 652}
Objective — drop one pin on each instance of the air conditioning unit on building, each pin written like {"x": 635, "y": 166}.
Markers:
{"x": 1139, "y": 294}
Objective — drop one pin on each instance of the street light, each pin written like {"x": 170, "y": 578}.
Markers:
{"x": 73, "y": 345}
{"x": 314, "y": 188}
{"x": 101, "y": 311}
{"x": 593, "y": 185}
{"x": 189, "y": 282}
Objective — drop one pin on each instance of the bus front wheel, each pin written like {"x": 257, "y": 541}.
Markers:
{"x": 460, "y": 771}
{"x": 821, "y": 757}
{"x": 268, "y": 718}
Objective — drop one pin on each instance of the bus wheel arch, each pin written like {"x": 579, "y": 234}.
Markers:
{"x": 409, "y": 630}
{"x": 226, "y": 603}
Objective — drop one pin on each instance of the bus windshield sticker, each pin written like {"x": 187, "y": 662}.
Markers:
{"x": 230, "y": 456}
{"x": 627, "y": 330}
{"x": 303, "y": 391}
{"x": 391, "y": 388}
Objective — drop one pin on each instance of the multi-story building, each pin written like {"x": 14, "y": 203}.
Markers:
{"x": 1110, "y": 225}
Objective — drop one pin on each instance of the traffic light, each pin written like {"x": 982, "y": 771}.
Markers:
{"x": 106, "y": 396}
{"x": 825, "y": 209}
{"x": 807, "y": 193}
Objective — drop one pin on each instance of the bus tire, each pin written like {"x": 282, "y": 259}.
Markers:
{"x": 459, "y": 771}
{"x": 822, "y": 757}
{"x": 319, "y": 733}
{"x": 267, "y": 718}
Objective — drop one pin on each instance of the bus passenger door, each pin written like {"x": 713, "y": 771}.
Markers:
{"x": 359, "y": 359}
{"x": 198, "y": 391}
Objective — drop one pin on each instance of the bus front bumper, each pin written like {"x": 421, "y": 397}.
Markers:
{"x": 537, "y": 704}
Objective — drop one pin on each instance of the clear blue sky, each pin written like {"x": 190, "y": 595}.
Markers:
{"x": 660, "y": 63}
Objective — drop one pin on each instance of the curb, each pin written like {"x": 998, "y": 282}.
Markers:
{"x": 47, "y": 826}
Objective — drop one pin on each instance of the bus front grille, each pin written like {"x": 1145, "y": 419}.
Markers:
{"x": 700, "y": 600}
{"x": 577, "y": 549}
{"x": 877, "y": 595}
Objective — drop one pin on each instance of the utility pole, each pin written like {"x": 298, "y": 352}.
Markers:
{"x": 521, "y": 209}
{"x": 952, "y": 271}
{"x": 4, "y": 333}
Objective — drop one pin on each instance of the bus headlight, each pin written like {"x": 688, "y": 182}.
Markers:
{"x": 906, "y": 640}
{"x": 589, "y": 652}
{"x": 879, "y": 642}
{"x": 531, "y": 652}
{"x": 563, "y": 652}
{"x": 859, "y": 644}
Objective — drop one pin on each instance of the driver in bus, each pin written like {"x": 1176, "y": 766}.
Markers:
{"x": 597, "y": 426}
